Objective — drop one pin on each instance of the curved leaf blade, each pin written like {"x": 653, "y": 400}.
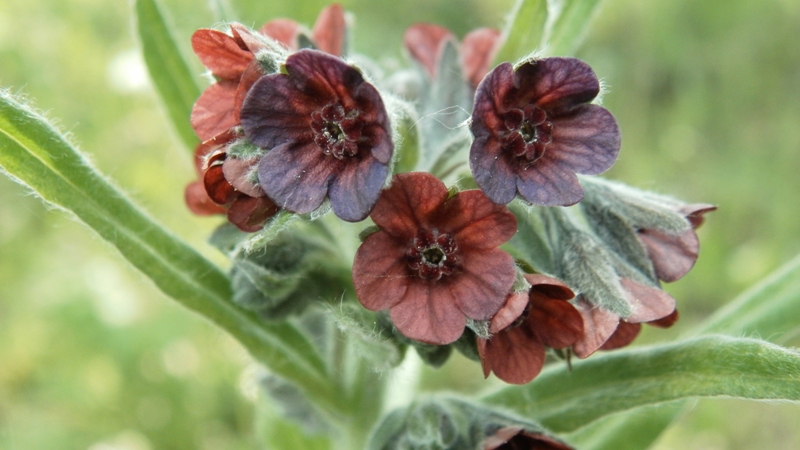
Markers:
{"x": 704, "y": 367}
{"x": 524, "y": 30}
{"x": 173, "y": 80}
{"x": 35, "y": 154}
{"x": 571, "y": 26}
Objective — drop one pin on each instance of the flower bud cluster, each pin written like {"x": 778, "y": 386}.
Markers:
{"x": 503, "y": 272}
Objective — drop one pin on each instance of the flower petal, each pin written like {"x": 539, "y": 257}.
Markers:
{"x": 648, "y": 303}
{"x": 666, "y": 321}
{"x": 673, "y": 255}
{"x": 549, "y": 183}
{"x": 477, "y": 51}
{"x": 355, "y": 189}
{"x": 217, "y": 187}
{"x": 623, "y": 335}
{"x": 220, "y": 53}
{"x": 249, "y": 214}
{"x": 239, "y": 172}
{"x": 323, "y": 77}
{"x": 556, "y": 323}
{"x": 598, "y": 326}
{"x": 213, "y": 113}
{"x": 518, "y": 438}
{"x": 515, "y": 305}
{"x": 584, "y": 141}
{"x": 296, "y": 177}
{"x": 198, "y": 201}
{"x": 424, "y": 42}
{"x": 250, "y": 75}
{"x": 408, "y": 204}
{"x": 427, "y": 313}
{"x": 284, "y": 31}
{"x": 514, "y": 355}
{"x": 276, "y": 112}
{"x": 380, "y": 272}
{"x": 492, "y": 171}
{"x": 246, "y": 39}
{"x": 549, "y": 286}
{"x": 476, "y": 221}
{"x": 330, "y": 30}
{"x": 490, "y": 98}
{"x": 694, "y": 212}
{"x": 558, "y": 83}
{"x": 484, "y": 281}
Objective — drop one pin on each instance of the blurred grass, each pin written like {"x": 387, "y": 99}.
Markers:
{"x": 708, "y": 99}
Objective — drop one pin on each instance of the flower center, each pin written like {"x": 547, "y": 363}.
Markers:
{"x": 432, "y": 255}
{"x": 529, "y": 132}
{"x": 337, "y": 130}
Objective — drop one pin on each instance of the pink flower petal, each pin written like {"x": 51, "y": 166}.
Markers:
{"x": 380, "y": 273}
{"x": 425, "y": 42}
{"x": 476, "y": 221}
{"x": 555, "y": 323}
{"x": 598, "y": 326}
{"x": 428, "y": 313}
{"x": 285, "y": 31}
{"x": 477, "y": 51}
{"x": 213, "y": 113}
{"x": 198, "y": 201}
{"x": 220, "y": 53}
{"x": 549, "y": 286}
{"x": 238, "y": 173}
{"x": 648, "y": 303}
{"x": 484, "y": 281}
{"x": 514, "y": 355}
{"x": 673, "y": 255}
{"x": 408, "y": 204}
{"x": 246, "y": 39}
{"x": 623, "y": 335}
{"x": 330, "y": 29}
{"x": 249, "y": 214}
{"x": 513, "y": 308}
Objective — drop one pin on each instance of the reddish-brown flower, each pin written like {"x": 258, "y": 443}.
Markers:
{"x": 534, "y": 130}
{"x": 426, "y": 42}
{"x": 230, "y": 59}
{"x": 225, "y": 186}
{"x": 650, "y": 305}
{"x": 328, "y": 34}
{"x": 435, "y": 260}
{"x": 326, "y": 132}
{"x": 517, "y": 438}
{"x": 527, "y": 323}
{"x": 674, "y": 255}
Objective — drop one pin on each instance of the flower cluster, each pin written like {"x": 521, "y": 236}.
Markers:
{"x": 290, "y": 124}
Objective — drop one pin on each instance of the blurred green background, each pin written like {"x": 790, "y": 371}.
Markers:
{"x": 93, "y": 356}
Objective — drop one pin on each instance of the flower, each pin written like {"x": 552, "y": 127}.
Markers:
{"x": 534, "y": 130}
{"x": 435, "y": 260}
{"x": 326, "y": 132}
{"x": 525, "y": 325}
{"x": 328, "y": 34}
{"x": 425, "y": 42}
{"x": 225, "y": 187}
{"x": 231, "y": 60}
{"x": 673, "y": 255}
{"x": 517, "y": 438}
{"x": 650, "y": 304}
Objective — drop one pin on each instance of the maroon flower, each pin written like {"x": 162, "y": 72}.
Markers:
{"x": 328, "y": 34}
{"x": 326, "y": 132}
{"x": 673, "y": 255}
{"x": 230, "y": 59}
{"x": 534, "y": 130}
{"x": 650, "y": 304}
{"x": 527, "y": 323}
{"x": 517, "y": 438}
{"x": 426, "y": 42}
{"x": 225, "y": 186}
{"x": 435, "y": 260}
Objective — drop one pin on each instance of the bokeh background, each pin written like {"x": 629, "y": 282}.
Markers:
{"x": 92, "y": 356}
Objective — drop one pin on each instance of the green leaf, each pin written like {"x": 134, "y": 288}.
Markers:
{"x": 171, "y": 75}
{"x": 570, "y": 27}
{"x": 703, "y": 367}
{"x": 634, "y": 430}
{"x": 524, "y": 30}
{"x": 530, "y": 243}
{"x": 770, "y": 310}
{"x": 37, "y": 155}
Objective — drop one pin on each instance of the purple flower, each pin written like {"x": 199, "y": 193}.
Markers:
{"x": 326, "y": 132}
{"x": 534, "y": 130}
